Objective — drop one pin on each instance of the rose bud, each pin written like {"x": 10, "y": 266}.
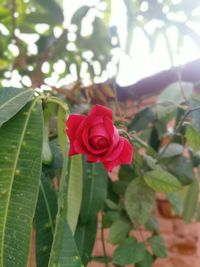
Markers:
{"x": 96, "y": 137}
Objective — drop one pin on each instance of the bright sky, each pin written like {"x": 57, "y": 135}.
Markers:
{"x": 141, "y": 63}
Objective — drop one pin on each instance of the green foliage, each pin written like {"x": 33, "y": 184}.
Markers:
{"x": 45, "y": 216}
{"x": 191, "y": 201}
{"x": 172, "y": 97}
{"x": 129, "y": 252}
{"x": 75, "y": 186}
{"x": 20, "y": 161}
{"x": 85, "y": 237}
{"x": 11, "y": 101}
{"x": 119, "y": 230}
{"x": 162, "y": 181}
{"x": 157, "y": 246}
{"x": 142, "y": 120}
{"x": 193, "y": 138}
{"x": 94, "y": 190}
{"x": 139, "y": 201}
{"x": 171, "y": 150}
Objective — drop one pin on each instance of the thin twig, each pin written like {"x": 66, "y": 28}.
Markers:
{"x": 142, "y": 237}
{"x": 13, "y": 16}
{"x": 177, "y": 129}
{"x": 117, "y": 106}
{"x": 103, "y": 242}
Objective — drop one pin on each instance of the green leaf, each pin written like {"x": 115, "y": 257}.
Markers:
{"x": 4, "y": 64}
{"x": 193, "y": 138}
{"x": 112, "y": 205}
{"x": 172, "y": 97}
{"x": 94, "y": 190}
{"x": 139, "y": 202}
{"x": 69, "y": 254}
{"x": 152, "y": 224}
{"x": 172, "y": 150}
{"x": 11, "y": 101}
{"x": 128, "y": 172}
{"x": 194, "y": 103}
{"x": 74, "y": 195}
{"x": 157, "y": 246}
{"x": 45, "y": 221}
{"x": 47, "y": 156}
{"x": 147, "y": 260}
{"x": 162, "y": 181}
{"x": 79, "y": 15}
{"x": 142, "y": 120}
{"x": 4, "y": 12}
{"x": 109, "y": 218}
{"x": 63, "y": 242}
{"x": 182, "y": 169}
{"x": 191, "y": 200}
{"x": 85, "y": 238}
{"x": 61, "y": 125}
{"x": 176, "y": 202}
{"x": 129, "y": 252}
{"x": 21, "y": 162}
{"x": 48, "y": 6}
{"x": 119, "y": 230}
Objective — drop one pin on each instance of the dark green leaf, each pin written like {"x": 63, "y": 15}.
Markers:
{"x": 75, "y": 188}
{"x": 162, "y": 181}
{"x": 85, "y": 238}
{"x": 191, "y": 201}
{"x": 147, "y": 261}
{"x": 11, "y": 101}
{"x": 152, "y": 224}
{"x": 176, "y": 202}
{"x": 182, "y": 169}
{"x": 139, "y": 202}
{"x": 109, "y": 218}
{"x": 79, "y": 15}
{"x": 194, "y": 103}
{"x": 157, "y": 246}
{"x": 69, "y": 254}
{"x": 49, "y": 5}
{"x": 172, "y": 150}
{"x": 21, "y": 162}
{"x": 193, "y": 138}
{"x": 119, "y": 230}
{"x": 45, "y": 221}
{"x": 129, "y": 252}
{"x": 94, "y": 190}
{"x": 172, "y": 97}
{"x": 142, "y": 120}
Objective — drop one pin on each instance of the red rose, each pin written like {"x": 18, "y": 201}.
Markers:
{"x": 96, "y": 137}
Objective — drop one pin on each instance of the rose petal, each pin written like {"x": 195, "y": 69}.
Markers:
{"x": 114, "y": 152}
{"x": 90, "y": 149}
{"x": 110, "y": 128}
{"x": 98, "y": 130}
{"x": 99, "y": 110}
{"x": 73, "y": 124}
{"x": 125, "y": 157}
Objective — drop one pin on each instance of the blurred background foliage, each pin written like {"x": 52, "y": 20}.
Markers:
{"x": 47, "y": 45}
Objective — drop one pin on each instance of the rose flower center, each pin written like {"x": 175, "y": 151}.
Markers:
{"x": 99, "y": 142}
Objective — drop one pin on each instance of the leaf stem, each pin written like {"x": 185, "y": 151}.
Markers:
{"x": 103, "y": 241}
{"x": 177, "y": 129}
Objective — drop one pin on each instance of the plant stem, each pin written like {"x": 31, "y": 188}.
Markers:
{"x": 103, "y": 241}
{"x": 177, "y": 129}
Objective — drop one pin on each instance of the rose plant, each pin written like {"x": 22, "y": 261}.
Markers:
{"x": 59, "y": 198}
